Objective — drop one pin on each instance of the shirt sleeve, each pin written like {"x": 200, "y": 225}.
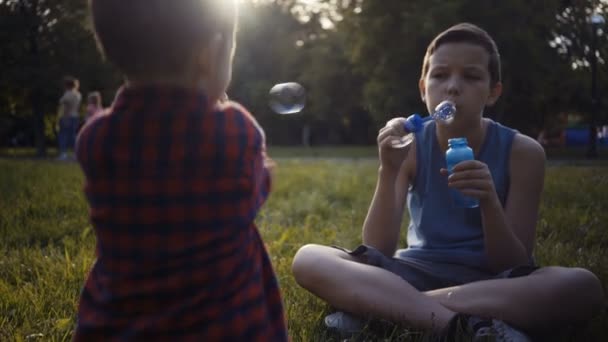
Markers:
{"x": 253, "y": 151}
{"x": 263, "y": 183}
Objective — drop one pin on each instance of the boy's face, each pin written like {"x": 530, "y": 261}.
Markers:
{"x": 459, "y": 72}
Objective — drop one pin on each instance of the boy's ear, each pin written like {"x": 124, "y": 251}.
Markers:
{"x": 208, "y": 58}
{"x": 495, "y": 93}
{"x": 421, "y": 87}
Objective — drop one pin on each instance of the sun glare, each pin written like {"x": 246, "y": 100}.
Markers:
{"x": 328, "y": 13}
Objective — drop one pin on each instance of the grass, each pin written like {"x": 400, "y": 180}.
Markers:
{"x": 572, "y": 154}
{"x": 47, "y": 245}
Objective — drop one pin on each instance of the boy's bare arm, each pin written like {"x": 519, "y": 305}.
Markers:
{"x": 382, "y": 224}
{"x": 527, "y": 173}
{"x": 509, "y": 232}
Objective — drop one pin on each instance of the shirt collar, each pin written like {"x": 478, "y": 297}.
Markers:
{"x": 160, "y": 98}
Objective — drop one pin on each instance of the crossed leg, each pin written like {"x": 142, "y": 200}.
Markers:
{"x": 547, "y": 296}
{"x": 542, "y": 300}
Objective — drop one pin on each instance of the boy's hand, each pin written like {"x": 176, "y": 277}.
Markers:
{"x": 472, "y": 178}
{"x": 223, "y": 98}
{"x": 391, "y": 157}
{"x": 270, "y": 165}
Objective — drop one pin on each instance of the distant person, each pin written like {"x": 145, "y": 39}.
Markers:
{"x": 466, "y": 271}
{"x": 175, "y": 175}
{"x": 552, "y": 137}
{"x": 94, "y": 105}
{"x": 68, "y": 116}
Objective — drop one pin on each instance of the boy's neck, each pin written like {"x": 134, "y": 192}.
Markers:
{"x": 173, "y": 82}
{"x": 163, "y": 82}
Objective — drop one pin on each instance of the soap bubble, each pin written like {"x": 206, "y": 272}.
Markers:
{"x": 445, "y": 111}
{"x": 287, "y": 98}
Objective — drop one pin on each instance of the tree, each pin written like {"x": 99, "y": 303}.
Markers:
{"x": 388, "y": 40}
{"x": 582, "y": 44}
{"x": 41, "y": 41}
{"x": 360, "y": 60}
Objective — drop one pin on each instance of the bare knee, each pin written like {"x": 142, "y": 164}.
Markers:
{"x": 588, "y": 283}
{"x": 581, "y": 286}
{"x": 305, "y": 265}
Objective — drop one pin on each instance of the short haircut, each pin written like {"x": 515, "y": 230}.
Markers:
{"x": 466, "y": 33}
{"x": 159, "y": 37}
{"x": 70, "y": 82}
{"x": 94, "y": 97}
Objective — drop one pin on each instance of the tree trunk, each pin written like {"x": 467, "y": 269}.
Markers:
{"x": 36, "y": 93}
{"x": 38, "y": 111}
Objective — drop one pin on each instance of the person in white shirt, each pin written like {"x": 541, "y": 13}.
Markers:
{"x": 68, "y": 117}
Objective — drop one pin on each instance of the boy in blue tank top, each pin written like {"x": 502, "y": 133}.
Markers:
{"x": 468, "y": 270}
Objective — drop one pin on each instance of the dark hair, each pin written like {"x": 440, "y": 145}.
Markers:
{"x": 466, "y": 33}
{"x": 70, "y": 82}
{"x": 159, "y": 37}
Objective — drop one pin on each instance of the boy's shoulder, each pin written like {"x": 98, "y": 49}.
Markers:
{"x": 100, "y": 117}
{"x": 521, "y": 144}
{"x": 524, "y": 145}
{"x": 232, "y": 107}
{"x": 235, "y": 108}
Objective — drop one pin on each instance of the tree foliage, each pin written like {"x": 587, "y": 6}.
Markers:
{"x": 359, "y": 60}
{"x": 389, "y": 39}
{"x": 41, "y": 42}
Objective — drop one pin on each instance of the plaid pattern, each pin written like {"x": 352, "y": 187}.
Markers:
{"x": 174, "y": 186}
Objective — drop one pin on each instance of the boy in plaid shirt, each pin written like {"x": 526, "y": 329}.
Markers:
{"x": 175, "y": 178}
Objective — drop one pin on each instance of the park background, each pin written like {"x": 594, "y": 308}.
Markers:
{"x": 358, "y": 60}
{"x": 360, "y": 63}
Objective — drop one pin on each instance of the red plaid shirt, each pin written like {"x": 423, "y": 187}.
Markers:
{"x": 174, "y": 185}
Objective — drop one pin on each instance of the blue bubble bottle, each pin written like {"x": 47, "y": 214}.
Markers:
{"x": 457, "y": 152}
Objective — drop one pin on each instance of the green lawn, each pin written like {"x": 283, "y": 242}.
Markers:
{"x": 574, "y": 154}
{"x": 46, "y": 242}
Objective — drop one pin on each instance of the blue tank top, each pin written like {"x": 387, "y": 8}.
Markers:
{"x": 439, "y": 230}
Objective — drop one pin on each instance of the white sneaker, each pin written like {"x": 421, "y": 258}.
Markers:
{"x": 500, "y": 331}
{"x": 344, "y": 323}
